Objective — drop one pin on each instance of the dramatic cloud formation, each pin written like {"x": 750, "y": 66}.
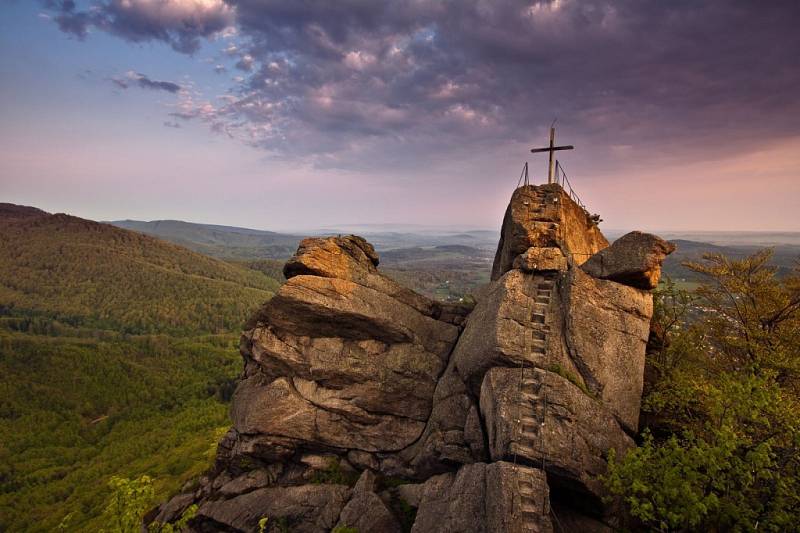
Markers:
{"x": 140, "y": 80}
{"x": 180, "y": 23}
{"x": 397, "y": 82}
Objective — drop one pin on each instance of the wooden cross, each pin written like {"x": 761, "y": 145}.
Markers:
{"x": 551, "y": 149}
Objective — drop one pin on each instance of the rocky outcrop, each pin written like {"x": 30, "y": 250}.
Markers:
{"x": 342, "y": 357}
{"x": 634, "y": 259}
{"x": 545, "y": 217}
{"x": 450, "y": 419}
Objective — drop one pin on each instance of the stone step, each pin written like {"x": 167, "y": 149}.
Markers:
{"x": 530, "y": 507}
{"x": 530, "y": 397}
{"x": 530, "y": 390}
{"x": 542, "y": 300}
{"x": 539, "y": 334}
{"x": 531, "y": 384}
{"x": 526, "y": 450}
{"x": 537, "y": 317}
{"x": 529, "y": 433}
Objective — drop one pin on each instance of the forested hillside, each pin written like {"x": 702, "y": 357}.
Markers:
{"x": 118, "y": 354}
{"x": 91, "y": 274}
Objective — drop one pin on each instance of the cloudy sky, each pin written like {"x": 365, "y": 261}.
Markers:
{"x": 296, "y": 114}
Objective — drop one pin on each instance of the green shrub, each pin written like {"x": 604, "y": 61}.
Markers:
{"x": 129, "y": 501}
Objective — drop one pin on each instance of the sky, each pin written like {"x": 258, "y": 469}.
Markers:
{"x": 298, "y": 114}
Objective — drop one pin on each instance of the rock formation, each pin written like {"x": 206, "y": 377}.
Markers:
{"x": 365, "y": 405}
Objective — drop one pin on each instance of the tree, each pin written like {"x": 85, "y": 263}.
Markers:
{"x": 724, "y": 452}
{"x": 129, "y": 501}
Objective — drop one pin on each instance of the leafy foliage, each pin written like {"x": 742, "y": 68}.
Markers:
{"x": 723, "y": 449}
{"x": 129, "y": 501}
{"x": 76, "y": 411}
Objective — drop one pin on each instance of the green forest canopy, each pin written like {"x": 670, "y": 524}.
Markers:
{"x": 117, "y": 358}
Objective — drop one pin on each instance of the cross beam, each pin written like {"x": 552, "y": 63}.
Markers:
{"x": 551, "y": 149}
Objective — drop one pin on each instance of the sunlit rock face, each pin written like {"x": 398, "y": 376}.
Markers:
{"x": 364, "y": 404}
{"x": 545, "y": 216}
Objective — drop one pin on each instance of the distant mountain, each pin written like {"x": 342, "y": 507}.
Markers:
{"x": 392, "y": 240}
{"x": 737, "y": 238}
{"x": 784, "y": 256}
{"x": 226, "y": 242}
{"x": 89, "y": 273}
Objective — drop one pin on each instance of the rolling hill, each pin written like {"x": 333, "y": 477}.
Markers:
{"x": 225, "y": 242}
{"x": 118, "y": 352}
{"x": 91, "y": 274}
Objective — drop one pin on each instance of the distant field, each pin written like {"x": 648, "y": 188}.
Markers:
{"x": 686, "y": 285}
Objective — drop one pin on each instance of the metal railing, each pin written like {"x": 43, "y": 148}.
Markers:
{"x": 561, "y": 179}
{"x": 524, "y": 175}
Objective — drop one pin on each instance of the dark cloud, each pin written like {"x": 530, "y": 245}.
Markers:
{"x": 346, "y": 83}
{"x": 68, "y": 18}
{"x": 179, "y": 23}
{"x": 137, "y": 79}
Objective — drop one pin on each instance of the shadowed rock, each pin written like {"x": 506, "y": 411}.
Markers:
{"x": 485, "y": 498}
{"x": 306, "y": 509}
{"x": 366, "y": 511}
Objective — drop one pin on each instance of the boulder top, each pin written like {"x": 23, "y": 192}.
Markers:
{"x": 545, "y": 216}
